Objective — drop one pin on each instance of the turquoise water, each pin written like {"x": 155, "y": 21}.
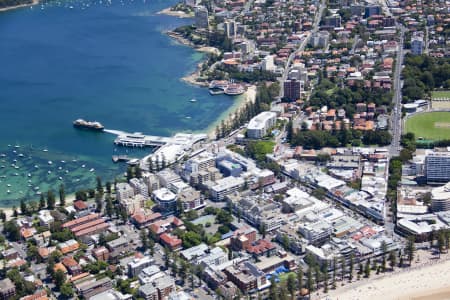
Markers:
{"x": 97, "y": 60}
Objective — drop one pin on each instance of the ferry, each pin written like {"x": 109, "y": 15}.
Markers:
{"x": 80, "y": 123}
{"x": 234, "y": 89}
{"x": 218, "y": 84}
{"x": 216, "y": 91}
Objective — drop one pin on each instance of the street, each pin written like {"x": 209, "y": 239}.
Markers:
{"x": 396, "y": 114}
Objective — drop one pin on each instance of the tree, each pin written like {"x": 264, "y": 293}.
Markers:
{"x": 59, "y": 278}
{"x": 410, "y": 248}
{"x": 342, "y": 268}
{"x": 15, "y": 213}
{"x": 325, "y": 278}
{"x": 166, "y": 257}
{"x": 367, "y": 269}
{"x": 99, "y": 185}
{"x": 151, "y": 246}
{"x": 317, "y": 276}
{"x": 309, "y": 280}
{"x": 109, "y": 206}
{"x": 50, "y": 199}
{"x": 41, "y": 201}
{"x": 62, "y": 196}
{"x": 66, "y": 290}
{"x": 273, "y": 292}
{"x": 144, "y": 239}
{"x": 23, "y": 207}
{"x": 441, "y": 241}
{"x": 392, "y": 260}
{"x": 300, "y": 278}
{"x": 2, "y": 215}
{"x": 351, "y": 267}
{"x": 334, "y": 269}
{"x": 291, "y": 285}
{"x": 285, "y": 242}
{"x": 11, "y": 230}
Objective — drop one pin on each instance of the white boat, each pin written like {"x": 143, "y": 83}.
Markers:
{"x": 49, "y": 172}
{"x": 188, "y": 117}
{"x": 8, "y": 191}
{"x": 83, "y": 166}
{"x": 29, "y": 175}
{"x": 63, "y": 161}
{"x": 45, "y": 150}
{"x": 20, "y": 155}
{"x": 50, "y": 162}
{"x": 8, "y": 185}
{"x": 16, "y": 174}
{"x": 92, "y": 170}
{"x": 60, "y": 178}
{"x": 59, "y": 168}
{"x": 36, "y": 166}
{"x": 193, "y": 100}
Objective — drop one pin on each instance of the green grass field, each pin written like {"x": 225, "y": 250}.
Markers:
{"x": 432, "y": 125}
{"x": 440, "y": 94}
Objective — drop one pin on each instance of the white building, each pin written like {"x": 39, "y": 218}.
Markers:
{"x": 226, "y": 186}
{"x": 45, "y": 218}
{"x": 138, "y": 264}
{"x": 258, "y": 126}
{"x": 139, "y": 187}
{"x": 201, "y": 162}
{"x": 124, "y": 191}
{"x": 166, "y": 200}
{"x": 440, "y": 198}
{"x": 267, "y": 63}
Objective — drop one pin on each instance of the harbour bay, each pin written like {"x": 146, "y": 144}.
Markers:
{"x": 104, "y": 61}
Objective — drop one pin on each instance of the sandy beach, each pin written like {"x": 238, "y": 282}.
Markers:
{"x": 19, "y": 6}
{"x": 248, "y": 97}
{"x": 429, "y": 280}
{"x": 70, "y": 198}
{"x": 175, "y": 13}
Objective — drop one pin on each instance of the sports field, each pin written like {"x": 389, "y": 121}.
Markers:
{"x": 430, "y": 126}
{"x": 440, "y": 94}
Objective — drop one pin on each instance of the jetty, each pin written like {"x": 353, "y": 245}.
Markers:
{"x": 168, "y": 149}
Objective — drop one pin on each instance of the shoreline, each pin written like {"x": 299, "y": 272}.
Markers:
{"x": 70, "y": 198}
{"x": 34, "y": 2}
{"x": 248, "y": 97}
{"x": 425, "y": 280}
{"x": 175, "y": 13}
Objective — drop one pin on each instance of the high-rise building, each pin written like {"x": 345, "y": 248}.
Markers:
{"x": 201, "y": 17}
{"x": 417, "y": 45}
{"x": 292, "y": 89}
{"x": 437, "y": 167}
{"x": 267, "y": 63}
{"x": 230, "y": 28}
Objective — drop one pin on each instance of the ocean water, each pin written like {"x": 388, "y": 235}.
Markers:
{"x": 108, "y": 61}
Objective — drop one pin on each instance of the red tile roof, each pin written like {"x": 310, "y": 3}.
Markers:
{"x": 80, "y": 205}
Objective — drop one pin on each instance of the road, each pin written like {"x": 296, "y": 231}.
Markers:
{"x": 396, "y": 114}
{"x": 302, "y": 46}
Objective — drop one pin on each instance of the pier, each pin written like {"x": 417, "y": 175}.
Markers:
{"x": 170, "y": 149}
{"x": 137, "y": 139}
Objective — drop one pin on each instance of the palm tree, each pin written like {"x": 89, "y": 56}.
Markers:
{"x": 410, "y": 248}
{"x": 392, "y": 260}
